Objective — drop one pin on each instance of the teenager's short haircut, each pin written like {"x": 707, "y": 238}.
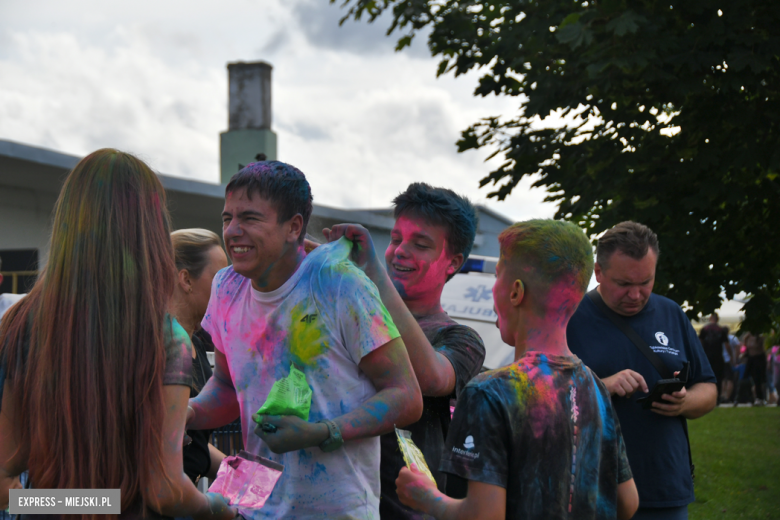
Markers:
{"x": 282, "y": 184}
{"x": 191, "y": 249}
{"x": 555, "y": 248}
{"x": 441, "y": 207}
{"x": 630, "y": 238}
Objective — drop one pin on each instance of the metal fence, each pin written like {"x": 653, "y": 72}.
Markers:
{"x": 15, "y": 275}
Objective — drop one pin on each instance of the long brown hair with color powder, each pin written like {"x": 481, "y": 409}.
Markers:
{"x": 85, "y": 352}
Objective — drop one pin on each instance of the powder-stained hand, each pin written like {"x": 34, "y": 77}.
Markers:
{"x": 415, "y": 489}
{"x": 292, "y": 433}
{"x": 363, "y": 250}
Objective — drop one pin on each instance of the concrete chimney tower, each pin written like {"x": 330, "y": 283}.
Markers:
{"x": 249, "y": 120}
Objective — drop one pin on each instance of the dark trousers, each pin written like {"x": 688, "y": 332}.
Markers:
{"x": 756, "y": 369}
{"x": 718, "y": 366}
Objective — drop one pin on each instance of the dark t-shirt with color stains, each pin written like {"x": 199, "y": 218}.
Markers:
{"x": 463, "y": 347}
{"x": 544, "y": 429}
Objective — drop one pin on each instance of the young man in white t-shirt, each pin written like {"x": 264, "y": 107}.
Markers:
{"x": 276, "y": 307}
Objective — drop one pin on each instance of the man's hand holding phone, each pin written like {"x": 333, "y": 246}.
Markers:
{"x": 672, "y": 404}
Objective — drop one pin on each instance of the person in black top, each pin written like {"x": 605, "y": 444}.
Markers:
{"x": 714, "y": 339}
{"x": 199, "y": 255}
{"x": 432, "y": 237}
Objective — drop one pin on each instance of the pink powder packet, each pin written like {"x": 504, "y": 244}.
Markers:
{"x": 246, "y": 480}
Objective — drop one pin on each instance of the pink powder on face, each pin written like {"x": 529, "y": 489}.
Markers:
{"x": 423, "y": 248}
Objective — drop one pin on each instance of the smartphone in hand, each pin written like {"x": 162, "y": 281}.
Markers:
{"x": 665, "y": 386}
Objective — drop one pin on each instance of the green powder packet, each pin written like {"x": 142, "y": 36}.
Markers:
{"x": 290, "y": 395}
{"x": 412, "y": 453}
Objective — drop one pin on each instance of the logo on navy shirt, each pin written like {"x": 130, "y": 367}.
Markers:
{"x": 664, "y": 347}
{"x": 469, "y": 445}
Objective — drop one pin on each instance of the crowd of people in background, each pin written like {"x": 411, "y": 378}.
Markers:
{"x": 105, "y": 380}
{"x": 747, "y": 366}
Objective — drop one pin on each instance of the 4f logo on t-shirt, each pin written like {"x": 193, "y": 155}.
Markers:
{"x": 309, "y": 319}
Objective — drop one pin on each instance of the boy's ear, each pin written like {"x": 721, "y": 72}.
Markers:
{"x": 456, "y": 262}
{"x": 518, "y": 292}
{"x": 296, "y": 228}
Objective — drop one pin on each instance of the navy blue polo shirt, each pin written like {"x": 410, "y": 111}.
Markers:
{"x": 656, "y": 445}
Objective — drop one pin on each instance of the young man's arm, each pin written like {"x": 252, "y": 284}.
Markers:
{"x": 434, "y": 371}
{"x": 397, "y": 402}
{"x": 627, "y": 500}
{"x": 216, "y": 405}
{"x": 483, "y": 501}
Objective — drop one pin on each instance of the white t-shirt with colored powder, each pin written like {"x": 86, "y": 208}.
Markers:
{"x": 324, "y": 319}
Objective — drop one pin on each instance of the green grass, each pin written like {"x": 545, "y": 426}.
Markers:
{"x": 737, "y": 457}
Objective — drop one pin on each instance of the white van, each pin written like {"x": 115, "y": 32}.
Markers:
{"x": 468, "y": 299}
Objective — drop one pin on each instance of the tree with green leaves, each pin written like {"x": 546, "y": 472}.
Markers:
{"x": 670, "y": 117}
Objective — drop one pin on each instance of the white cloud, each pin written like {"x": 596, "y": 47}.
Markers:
{"x": 149, "y": 77}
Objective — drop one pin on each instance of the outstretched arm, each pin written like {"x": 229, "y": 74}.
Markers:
{"x": 483, "y": 501}
{"x": 216, "y": 405}
{"x": 177, "y": 495}
{"x": 627, "y": 500}
{"x": 435, "y": 373}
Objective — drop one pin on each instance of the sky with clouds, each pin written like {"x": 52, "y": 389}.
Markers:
{"x": 359, "y": 119}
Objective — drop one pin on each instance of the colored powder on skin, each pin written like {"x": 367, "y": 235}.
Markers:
{"x": 378, "y": 411}
{"x": 431, "y": 273}
{"x": 555, "y": 248}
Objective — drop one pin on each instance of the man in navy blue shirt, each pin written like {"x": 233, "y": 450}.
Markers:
{"x": 626, "y": 258}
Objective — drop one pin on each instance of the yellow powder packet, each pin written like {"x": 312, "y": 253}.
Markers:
{"x": 411, "y": 453}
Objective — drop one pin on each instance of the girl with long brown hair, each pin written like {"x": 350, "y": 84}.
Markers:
{"x": 97, "y": 372}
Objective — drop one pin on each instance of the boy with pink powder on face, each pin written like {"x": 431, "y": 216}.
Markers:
{"x": 537, "y": 439}
{"x": 278, "y": 307}
{"x": 432, "y": 237}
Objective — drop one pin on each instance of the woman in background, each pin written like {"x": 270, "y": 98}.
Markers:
{"x": 756, "y": 365}
{"x": 199, "y": 255}
{"x": 98, "y": 374}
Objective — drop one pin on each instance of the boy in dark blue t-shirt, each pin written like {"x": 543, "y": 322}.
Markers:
{"x": 655, "y": 438}
{"x": 539, "y": 438}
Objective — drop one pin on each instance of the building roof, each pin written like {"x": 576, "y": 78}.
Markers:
{"x": 62, "y": 161}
